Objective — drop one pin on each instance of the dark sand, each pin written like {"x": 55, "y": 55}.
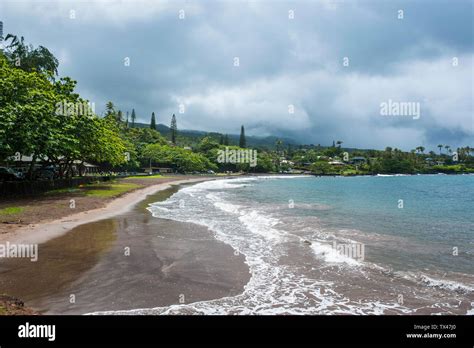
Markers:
{"x": 169, "y": 262}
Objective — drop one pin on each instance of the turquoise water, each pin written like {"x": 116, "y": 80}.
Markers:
{"x": 291, "y": 229}
{"x": 436, "y": 214}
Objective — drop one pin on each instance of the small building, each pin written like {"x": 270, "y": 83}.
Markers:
{"x": 161, "y": 170}
{"x": 358, "y": 160}
{"x": 336, "y": 163}
{"x": 164, "y": 170}
{"x": 285, "y": 161}
{"x": 430, "y": 161}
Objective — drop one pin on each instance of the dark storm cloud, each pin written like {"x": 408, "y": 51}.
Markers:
{"x": 283, "y": 63}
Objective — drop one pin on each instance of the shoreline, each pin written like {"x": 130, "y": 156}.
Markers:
{"x": 169, "y": 260}
{"x": 46, "y": 230}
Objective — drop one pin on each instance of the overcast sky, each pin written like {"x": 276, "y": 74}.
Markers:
{"x": 284, "y": 63}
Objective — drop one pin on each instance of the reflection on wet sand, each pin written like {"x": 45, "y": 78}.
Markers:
{"x": 60, "y": 261}
{"x": 130, "y": 261}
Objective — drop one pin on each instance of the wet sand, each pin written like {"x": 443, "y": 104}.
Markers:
{"x": 48, "y": 228}
{"x": 129, "y": 261}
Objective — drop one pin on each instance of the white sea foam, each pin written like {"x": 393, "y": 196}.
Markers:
{"x": 262, "y": 225}
{"x": 471, "y": 311}
{"x": 275, "y": 287}
{"x": 329, "y": 254}
{"x": 265, "y": 177}
{"x": 388, "y": 175}
{"x": 228, "y": 207}
{"x": 446, "y": 284}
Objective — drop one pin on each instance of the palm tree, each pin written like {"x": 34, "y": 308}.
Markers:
{"x": 339, "y": 142}
{"x": 469, "y": 150}
{"x": 110, "y": 111}
{"x": 447, "y": 147}
{"x": 278, "y": 145}
{"x": 440, "y": 146}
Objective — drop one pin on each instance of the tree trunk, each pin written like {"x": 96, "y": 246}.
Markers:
{"x": 30, "y": 169}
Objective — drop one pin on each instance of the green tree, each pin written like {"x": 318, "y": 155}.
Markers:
{"x": 32, "y": 124}
{"x": 153, "y": 121}
{"x": 110, "y": 112}
{"x": 119, "y": 117}
{"x": 278, "y": 145}
{"x": 440, "y": 146}
{"x": 242, "y": 140}
{"x": 421, "y": 149}
{"x": 321, "y": 168}
{"x": 206, "y": 144}
{"x": 178, "y": 158}
{"x": 264, "y": 163}
{"x": 174, "y": 129}
{"x": 26, "y": 112}
{"x": 28, "y": 58}
{"x": 134, "y": 117}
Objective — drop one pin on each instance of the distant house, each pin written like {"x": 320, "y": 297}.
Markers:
{"x": 165, "y": 170}
{"x": 85, "y": 168}
{"x": 153, "y": 169}
{"x": 430, "y": 161}
{"x": 187, "y": 148}
{"x": 23, "y": 162}
{"x": 359, "y": 160}
{"x": 336, "y": 163}
{"x": 285, "y": 161}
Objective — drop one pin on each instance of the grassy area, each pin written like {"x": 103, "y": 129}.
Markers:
{"x": 11, "y": 211}
{"x": 156, "y": 176}
{"x": 102, "y": 189}
{"x": 349, "y": 171}
{"x": 63, "y": 190}
{"x": 110, "y": 190}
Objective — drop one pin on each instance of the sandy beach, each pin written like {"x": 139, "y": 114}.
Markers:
{"x": 119, "y": 257}
{"x": 44, "y": 231}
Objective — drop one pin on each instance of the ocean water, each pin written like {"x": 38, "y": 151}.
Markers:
{"x": 338, "y": 245}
